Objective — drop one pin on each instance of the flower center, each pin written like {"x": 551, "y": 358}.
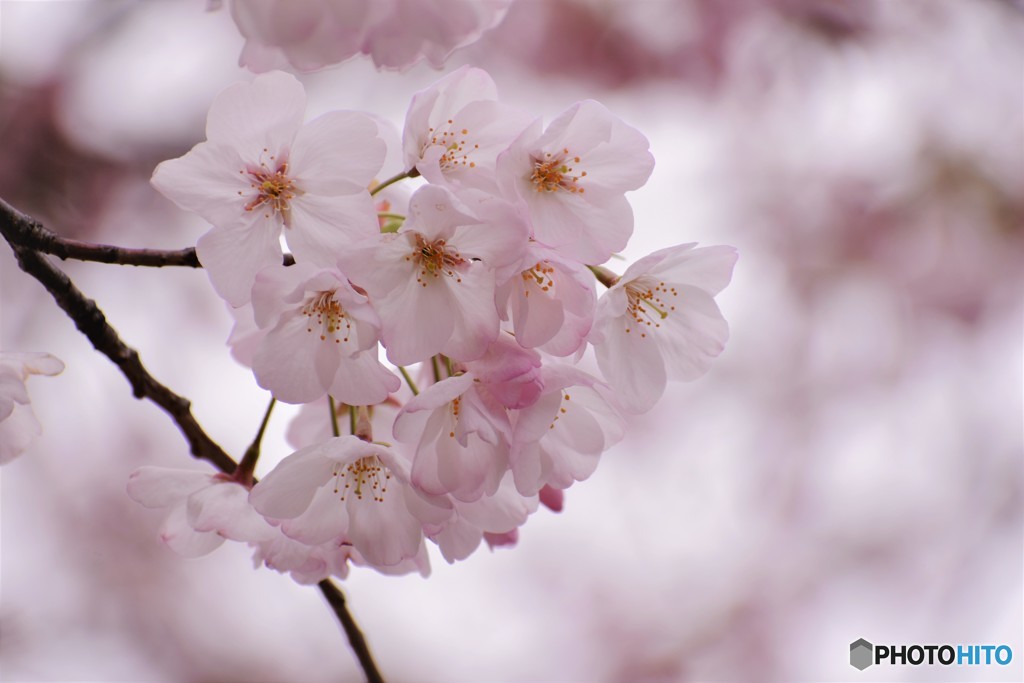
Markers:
{"x": 324, "y": 312}
{"x": 365, "y": 477}
{"x": 274, "y": 189}
{"x": 456, "y": 146}
{"x": 553, "y": 173}
{"x": 435, "y": 259}
{"x": 648, "y": 303}
{"x": 541, "y": 274}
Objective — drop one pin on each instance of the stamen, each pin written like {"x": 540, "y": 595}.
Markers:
{"x": 366, "y": 476}
{"x": 324, "y": 312}
{"x": 541, "y": 273}
{"x": 457, "y": 148}
{"x": 435, "y": 259}
{"x": 649, "y": 303}
{"x": 553, "y": 173}
{"x": 274, "y": 190}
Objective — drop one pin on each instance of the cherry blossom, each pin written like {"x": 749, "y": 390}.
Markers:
{"x": 456, "y": 128}
{"x": 311, "y": 34}
{"x": 18, "y": 424}
{"x": 559, "y": 439}
{"x": 348, "y": 489}
{"x": 262, "y": 171}
{"x": 660, "y": 321}
{"x": 321, "y": 338}
{"x": 573, "y": 177}
{"x": 496, "y": 515}
{"x": 433, "y": 281}
{"x": 203, "y": 509}
{"x": 551, "y": 303}
{"x": 461, "y": 439}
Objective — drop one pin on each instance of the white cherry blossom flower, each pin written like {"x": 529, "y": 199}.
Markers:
{"x": 461, "y": 439}
{"x": 348, "y": 490}
{"x": 551, "y": 302}
{"x": 660, "y": 321}
{"x": 573, "y": 177}
{"x": 321, "y": 338}
{"x": 262, "y": 171}
{"x": 18, "y": 424}
{"x": 433, "y": 282}
{"x": 559, "y": 439}
{"x": 203, "y": 509}
{"x": 456, "y": 128}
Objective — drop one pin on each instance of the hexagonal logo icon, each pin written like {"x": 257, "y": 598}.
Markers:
{"x": 861, "y": 654}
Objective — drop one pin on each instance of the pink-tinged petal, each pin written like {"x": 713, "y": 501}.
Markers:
{"x": 536, "y": 317}
{"x": 32, "y": 363}
{"x": 458, "y": 540}
{"x": 224, "y": 508}
{"x": 633, "y": 366}
{"x": 417, "y": 321}
{"x": 582, "y": 229}
{"x": 288, "y": 489}
{"x": 693, "y": 335}
{"x": 580, "y": 128}
{"x": 263, "y": 114}
{"x": 621, "y": 163}
{"x": 432, "y": 107}
{"x": 435, "y": 212}
{"x": 323, "y": 227}
{"x": 179, "y": 535}
{"x": 324, "y": 520}
{"x": 535, "y": 422}
{"x": 527, "y": 465}
{"x": 232, "y": 256}
{"x": 501, "y": 512}
{"x": 12, "y": 389}
{"x": 208, "y": 182}
{"x": 268, "y": 301}
{"x": 337, "y": 153}
{"x": 380, "y": 267}
{"x": 709, "y": 268}
{"x": 157, "y": 487}
{"x": 295, "y": 364}
{"x": 383, "y": 530}
{"x": 499, "y": 236}
{"x": 17, "y": 432}
{"x": 471, "y": 303}
{"x": 361, "y": 380}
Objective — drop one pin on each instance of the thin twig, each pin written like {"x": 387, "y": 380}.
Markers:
{"x": 32, "y": 235}
{"x": 336, "y": 599}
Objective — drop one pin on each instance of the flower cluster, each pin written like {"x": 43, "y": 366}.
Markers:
{"x": 310, "y": 34}
{"x": 479, "y": 286}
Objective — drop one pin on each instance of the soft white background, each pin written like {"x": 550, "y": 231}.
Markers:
{"x": 851, "y": 467}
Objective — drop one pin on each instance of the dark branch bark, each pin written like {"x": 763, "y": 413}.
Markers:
{"x": 29, "y": 233}
{"x": 336, "y": 599}
{"x": 27, "y": 237}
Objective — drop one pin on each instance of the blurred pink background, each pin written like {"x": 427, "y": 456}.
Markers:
{"x": 851, "y": 467}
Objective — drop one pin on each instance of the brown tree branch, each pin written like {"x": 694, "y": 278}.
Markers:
{"x": 336, "y": 599}
{"x": 31, "y": 234}
{"x": 24, "y": 234}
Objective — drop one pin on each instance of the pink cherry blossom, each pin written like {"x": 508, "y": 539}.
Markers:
{"x": 456, "y": 128}
{"x": 18, "y": 424}
{"x": 203, "y": 509}
{"x": 261, "y": 171}
{"x": 498, "y": 515}
{"x": 321, "y": 338}
{"x": 311, "y": 34}
{"x": 660, "y": 321}
{"x": 349, "y": 490}
{"x": 559, "y": 439}
{"x": 573, "y": 177}
{"x": 508, "y": 373}
{"x": 433, "y": 281}
{"x": 551, "y": 303}
{"x": 461, "y": 439}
